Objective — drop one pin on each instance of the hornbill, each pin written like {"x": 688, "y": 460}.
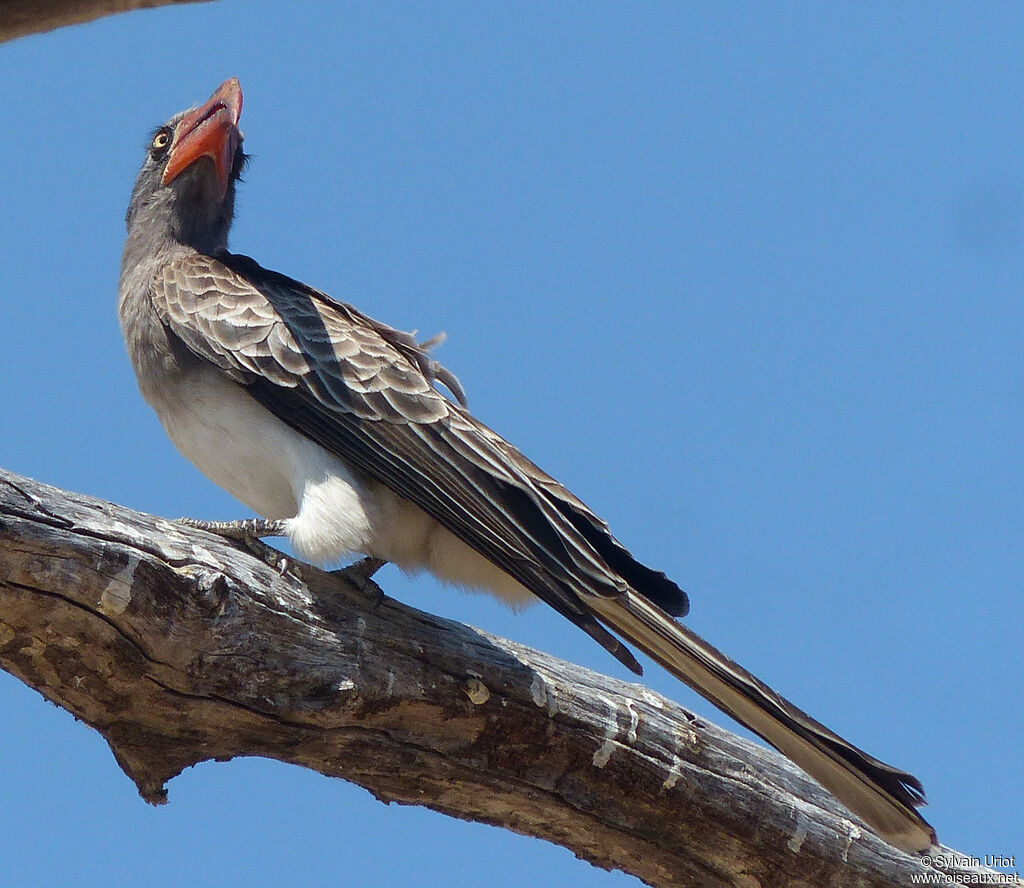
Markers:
{"x": 333, "y": 427}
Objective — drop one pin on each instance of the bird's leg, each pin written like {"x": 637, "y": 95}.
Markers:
{"x": 358, "y": 573}
{"x": 243, "y": 531}
{"x": 248, "y": 531}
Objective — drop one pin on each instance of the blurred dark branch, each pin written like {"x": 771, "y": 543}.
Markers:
{"x": 179, "y": 647}
{"x": 19, "y": 18}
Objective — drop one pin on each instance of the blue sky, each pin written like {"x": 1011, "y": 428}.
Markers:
{"x": 748, "y": 279}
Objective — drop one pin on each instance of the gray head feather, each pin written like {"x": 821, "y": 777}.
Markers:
{"x": 189, "y": 210}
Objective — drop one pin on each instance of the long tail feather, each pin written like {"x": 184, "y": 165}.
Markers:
{"x": 883, "y": 796}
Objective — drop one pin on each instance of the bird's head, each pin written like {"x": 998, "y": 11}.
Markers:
{"x": 185, "y": 191}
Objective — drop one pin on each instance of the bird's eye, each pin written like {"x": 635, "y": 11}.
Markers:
{"x": 161, "y": 141}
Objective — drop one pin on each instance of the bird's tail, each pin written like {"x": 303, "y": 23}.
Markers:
{"x": 883, "y": 796}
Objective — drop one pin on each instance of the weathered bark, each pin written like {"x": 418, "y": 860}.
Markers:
{"x": 179, "y": 647}
{"x": 19, "y": 18}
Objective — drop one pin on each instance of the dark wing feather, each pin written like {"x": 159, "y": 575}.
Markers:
{"x": 367, "y": 393}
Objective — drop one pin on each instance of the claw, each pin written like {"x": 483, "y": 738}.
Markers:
{"x": 249, "y": 531}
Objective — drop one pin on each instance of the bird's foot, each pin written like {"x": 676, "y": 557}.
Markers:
{"x": 249, "y": 531}
{"x": 359, "y": 574}
{"x": 244, "y": 530}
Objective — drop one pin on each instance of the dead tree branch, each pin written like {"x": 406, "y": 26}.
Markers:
{"x": 180, "y": 648}
{"x": 19, "y": 18}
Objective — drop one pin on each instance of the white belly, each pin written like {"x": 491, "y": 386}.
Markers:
{"x": 234, "y": 441}
{"x": 279, "y": 473}
{"x": 330, "y": 511}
